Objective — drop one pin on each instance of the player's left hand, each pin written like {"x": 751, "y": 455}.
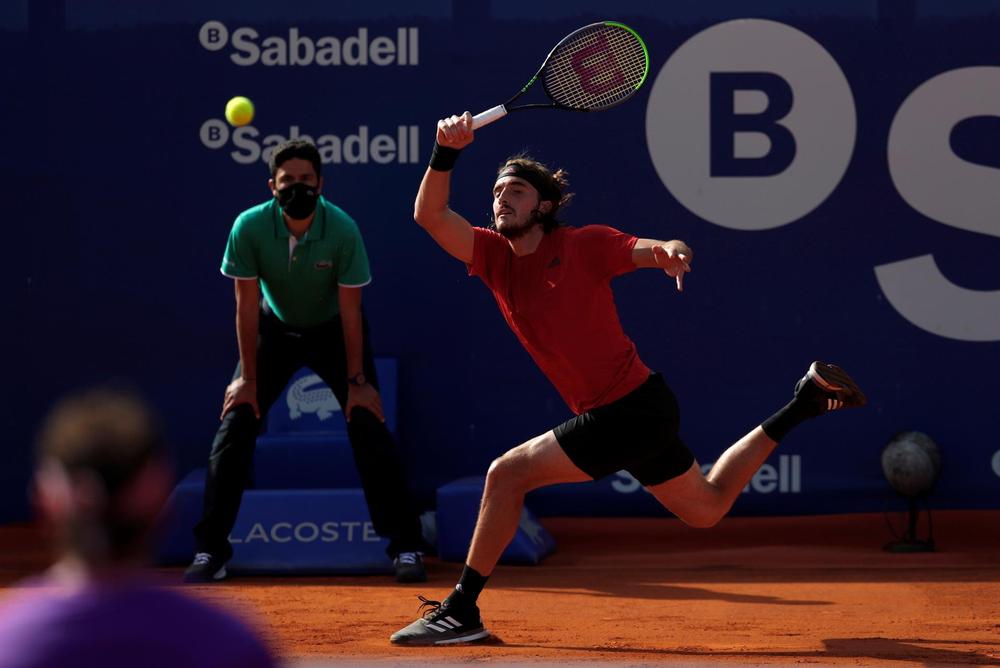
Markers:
{"x": 674, "y": 257}
{"x": 364, "y": 396}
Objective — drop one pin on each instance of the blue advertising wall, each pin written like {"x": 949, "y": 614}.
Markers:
{"x": 835, "y": 165}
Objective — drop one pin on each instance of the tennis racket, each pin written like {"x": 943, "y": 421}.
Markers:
{"x": 594, "y": 68}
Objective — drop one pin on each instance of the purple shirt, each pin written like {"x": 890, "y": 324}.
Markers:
{"x": 123, "y": 625}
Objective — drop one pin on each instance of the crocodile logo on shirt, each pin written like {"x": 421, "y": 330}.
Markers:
{"x": 309, "y": 395}
{"x": 323, "y": 264}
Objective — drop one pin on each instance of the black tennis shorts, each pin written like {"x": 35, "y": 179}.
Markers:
{"x": 637, "y": 433}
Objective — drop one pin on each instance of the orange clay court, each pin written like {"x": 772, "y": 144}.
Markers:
{"x": 633, "y": 592}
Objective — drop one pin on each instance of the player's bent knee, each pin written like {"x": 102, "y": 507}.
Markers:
{"x": 504, "y": 473}
{"x": 495, "y": 474}
{"x": 702, "y": 519}
{"x": 500, "y": 471}
{"x": 698, "y": 516}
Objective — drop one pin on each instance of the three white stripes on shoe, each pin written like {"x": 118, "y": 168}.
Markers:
{"x": 449, "y": 623}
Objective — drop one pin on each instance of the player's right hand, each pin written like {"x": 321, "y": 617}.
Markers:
{"x": 240, "y": 391}
{"x": 455, "y": 131}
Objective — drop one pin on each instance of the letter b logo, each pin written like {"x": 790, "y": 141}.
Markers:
{"x": 213, "y": 35}
{"x": 726, "y": 124}
{"x": 750, "y": 124}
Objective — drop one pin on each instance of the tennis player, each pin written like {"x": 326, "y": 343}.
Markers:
{"x": 552, "y": 284}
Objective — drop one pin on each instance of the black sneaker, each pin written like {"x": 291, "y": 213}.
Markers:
{"x": 830, "y": 388}
{"x": 442, "y": 624}
{"x": 205, "y": 568}
{"x": 409, "y": 567}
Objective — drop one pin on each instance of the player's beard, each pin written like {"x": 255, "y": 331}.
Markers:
{"x": 515, "y": 232}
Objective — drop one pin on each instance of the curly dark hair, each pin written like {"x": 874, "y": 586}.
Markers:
{"x": 551, "y": 186}
{"x": 295, "y": 148}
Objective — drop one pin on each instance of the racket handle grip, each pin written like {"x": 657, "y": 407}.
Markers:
{"x": 488, "y": 116}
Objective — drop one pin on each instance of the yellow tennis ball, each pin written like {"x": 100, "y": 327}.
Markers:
{"x": 239, "y": 111}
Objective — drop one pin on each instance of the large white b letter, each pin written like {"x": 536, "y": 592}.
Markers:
{"x": 750, "y": 124}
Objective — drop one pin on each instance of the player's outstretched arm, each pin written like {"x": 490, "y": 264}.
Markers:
{"x": 452, "y": 232}
{"x": 673, "y": 257}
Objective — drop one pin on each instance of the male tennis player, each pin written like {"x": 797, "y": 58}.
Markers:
{"x": 552, "y": 284}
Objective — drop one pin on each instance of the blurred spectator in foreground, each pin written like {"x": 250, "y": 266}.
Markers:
{"x": 102, "y": 476}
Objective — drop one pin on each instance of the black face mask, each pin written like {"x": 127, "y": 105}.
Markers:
{"x": 298, "y": 200}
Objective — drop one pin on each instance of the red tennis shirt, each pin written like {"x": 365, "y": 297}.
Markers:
{"x": 559, "y": 303}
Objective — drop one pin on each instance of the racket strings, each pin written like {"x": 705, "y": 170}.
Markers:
{"x": 596, "y": 70}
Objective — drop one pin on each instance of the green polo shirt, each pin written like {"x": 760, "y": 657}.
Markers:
{"x": 299, "y": 278}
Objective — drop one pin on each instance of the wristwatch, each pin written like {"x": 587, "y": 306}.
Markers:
{"x": 357, "y": 379}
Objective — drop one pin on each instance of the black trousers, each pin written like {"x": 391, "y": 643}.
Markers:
{"x": 281, "y": 351}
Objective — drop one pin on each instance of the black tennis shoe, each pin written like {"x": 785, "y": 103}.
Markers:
{"x": 442, "y": 624}
{"x": 205, "y": 568}
{"x": 829, "y": 388}
{"x": 409, "y": 567}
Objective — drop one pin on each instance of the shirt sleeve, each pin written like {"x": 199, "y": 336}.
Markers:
{"x": 239, "y": 260}
{"x": 353, "y": 270}
{"x": 489, "y": 249}
{"x": 606, "y": 250}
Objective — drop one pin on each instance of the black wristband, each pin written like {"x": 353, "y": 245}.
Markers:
{"x": 443, "y": 158}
